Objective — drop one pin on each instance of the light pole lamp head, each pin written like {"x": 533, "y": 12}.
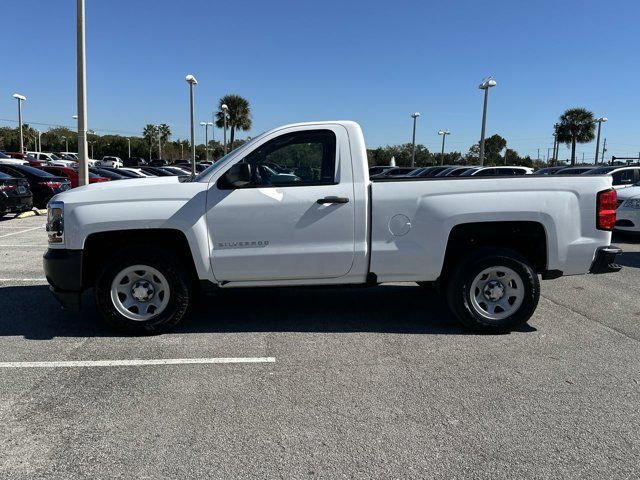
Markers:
{"x": 224, "y": 107}
{"x": 487, "y": 83}
{"x": 203, "y": 123}
{"x": 191, "y": 79}
{"x": 415, "y": 115}
{"x": 444, "y": 132}
{"x": 75, "y": 117}
{"x": 17, "y": 96}
{"x": 602, "y": 119}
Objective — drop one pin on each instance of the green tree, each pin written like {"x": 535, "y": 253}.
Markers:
{"x": 150, "y": 135}
{"x": 164, "y": 132}
{"x": 576, "y": 125}
{"x": 239, "y": 114}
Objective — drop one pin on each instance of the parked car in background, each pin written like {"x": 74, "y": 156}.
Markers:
{"x": 125, "y": 172}
{"x": 43, "y": 184}
{"x": 109, "y": 161}
{"x": 72, "y": 175}
{"x": 498, "y": 171}
{"x": 72, "y": 155}
{"x": 455, "y": 171}
{"x": 158, "y": 163}
{"x": 51, "y": 159}
{"x": 137, "y": 171}
{"x": 379, "y": 169}
{"x": 7, "y": 160}
{"x": 575, "y": 170}
{"x": 102, "y": 172}
{"x": 157, "y": 171}
{"x": 15, "y": 195}
{"x": 16, "y": 155}
{"x": 628, "y": 212}
{"x": 548, "y": 170}
{"x": 622, "y": 176}
{"x": 395, "y": 172}
{"x": 135, "y": 162}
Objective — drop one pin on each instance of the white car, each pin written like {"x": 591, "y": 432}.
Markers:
{"x": 623, "y": 177}
{"x": 628, "y": 212}
{"x": 147, "y": 247}
{"x": 7, "y": 160}
{"x": 52, "y": 159}
{"x": 108, "y": 161}
{"x": 497, "y": 170}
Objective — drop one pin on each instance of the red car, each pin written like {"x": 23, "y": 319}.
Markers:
{"x": 72, "y": 175}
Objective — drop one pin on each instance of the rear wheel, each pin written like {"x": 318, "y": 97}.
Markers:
{"x": 493, "y": 290}
{"x": 143, "y": 290}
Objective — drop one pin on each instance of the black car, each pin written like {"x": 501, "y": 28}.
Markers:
{"x": 124, "y": 173}
{"x": 135, "y": 162}
{"x": 103, "y": 172}
{"x": 15, "y": 195}
{"x": 157, "y": 171}
{"x": 43, "y": 184}
{"x": 158, "y": 163}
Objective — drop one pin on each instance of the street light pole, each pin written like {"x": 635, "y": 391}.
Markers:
{"x": 206, "y": 139}
{"x": 486, "y": 84}
{"x": 66, "y": 143}
{"x": 83, "y": 161}
{"x": 599, "y": 121}
{"x": 413, "y": 140}
{"x": 20, "y": 99}
{"x": 225, "y": 109}
{"x": 444, "y": 134}
{"x": 129, "y": 145}
{"x": 191, "y": 80}
{"x": 604, "y": 149}
{"x": 555, "y": 143}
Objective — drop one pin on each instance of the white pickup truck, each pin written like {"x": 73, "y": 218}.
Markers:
{"x": 295, "y": 207}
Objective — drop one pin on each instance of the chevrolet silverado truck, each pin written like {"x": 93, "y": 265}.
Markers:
{"x": 295, "y": 207}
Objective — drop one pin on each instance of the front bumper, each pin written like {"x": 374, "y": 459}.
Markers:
{"x": 604, "y": 260}
{"x": 63, "y": 270}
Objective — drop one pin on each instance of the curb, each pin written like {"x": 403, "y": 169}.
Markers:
{"x": 31, "y": 213}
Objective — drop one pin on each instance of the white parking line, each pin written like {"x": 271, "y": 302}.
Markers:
{"x": 136, "y": 363}
{"x": 23, "y": 279}
{"x": 23, "y": 231}
{"x": 22, "y": 245}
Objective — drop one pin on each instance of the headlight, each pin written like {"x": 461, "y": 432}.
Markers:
{"x": 632, "y": 203}
{"x": 55, "y": 222}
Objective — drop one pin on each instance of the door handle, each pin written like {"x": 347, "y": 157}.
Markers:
{"x": 325, "y": 200}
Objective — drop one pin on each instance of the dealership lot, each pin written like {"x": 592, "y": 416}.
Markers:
{"x": 351, "y": 383}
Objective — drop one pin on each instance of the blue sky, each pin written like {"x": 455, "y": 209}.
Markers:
{"x": 373, "y": 62}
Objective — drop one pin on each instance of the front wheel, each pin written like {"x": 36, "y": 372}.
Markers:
{"x": 493, "y": 291}
{"x": 143, "y": 290}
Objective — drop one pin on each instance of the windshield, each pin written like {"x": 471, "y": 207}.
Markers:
{"x": 54, "y": 156}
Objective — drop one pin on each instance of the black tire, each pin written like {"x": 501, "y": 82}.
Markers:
{"x": 180, "y": 289}
{"x": 459, "y": 294}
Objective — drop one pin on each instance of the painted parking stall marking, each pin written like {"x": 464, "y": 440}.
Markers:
{"x": 136, "y": 362}
{"x": 22, "y": 231}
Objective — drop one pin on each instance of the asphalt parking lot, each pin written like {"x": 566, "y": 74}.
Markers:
{"x": 353, "y": 383}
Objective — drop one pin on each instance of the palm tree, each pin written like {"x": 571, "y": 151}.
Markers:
{"x": 576, "y": 125}
{"x": 150, "y": 134}
{"x": 239, "y": 114}
{"x": 164, "y": 132}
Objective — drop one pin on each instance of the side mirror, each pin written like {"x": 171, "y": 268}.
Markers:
{"x": 238, "y": 176}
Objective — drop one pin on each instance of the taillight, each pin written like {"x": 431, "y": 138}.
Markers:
{"x": 4, "y": 188}
{"x": 50, "y": 184}
{"x": 606, "y": 209}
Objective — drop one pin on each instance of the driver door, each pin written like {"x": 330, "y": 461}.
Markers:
{"x": 294, "y": 219}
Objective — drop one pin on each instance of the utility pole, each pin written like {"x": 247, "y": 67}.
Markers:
{"x": 582, "y": 157}
{"x": 538, "y": 154}
{"x": 129, "y": 145}
{"x": 555, "y": 143}
{"x": 224, "y": 109}
{"x": 159, "y": 146}
{"x": 599, "y": 122}
{"x": 191, "y": 80}
{"x": 83, "y": 161}
{"x": 506, "y": 150}
{"x": 604, "y": 149}
{"x": 548, "y": 149}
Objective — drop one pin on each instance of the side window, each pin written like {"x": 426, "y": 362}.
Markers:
{"x": 624, "y": 177}
{"x": 518, "y": 171}
{"x": 294, "y": 159}
{"x": 486, "y": 173}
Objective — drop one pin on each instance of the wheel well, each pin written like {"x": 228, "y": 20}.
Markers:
{"x": 99, "y": 247}
{"x": 527, "y": 238}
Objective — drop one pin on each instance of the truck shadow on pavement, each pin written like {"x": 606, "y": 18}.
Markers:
{"x": 31, "y": 312}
